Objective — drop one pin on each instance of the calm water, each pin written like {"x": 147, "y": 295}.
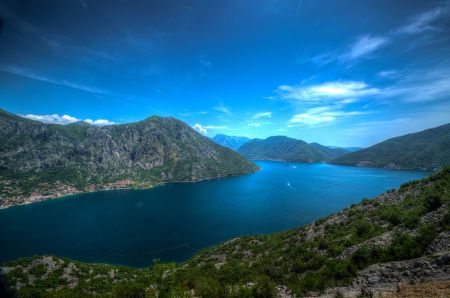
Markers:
{"x": 173, "y": 221}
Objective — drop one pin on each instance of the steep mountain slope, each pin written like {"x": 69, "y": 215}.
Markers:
{"x": 288, "y": 149}
{"x": 39, "y": 161}
{"x": 395, "y": 244}
{"x": 425, "y": 150}
{"x": 231, "y": 142}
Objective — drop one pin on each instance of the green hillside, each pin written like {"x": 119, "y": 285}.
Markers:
{"x": 288, "y": 149}
{"x": 40, "y": 161}
{"x": 425, "y": 150}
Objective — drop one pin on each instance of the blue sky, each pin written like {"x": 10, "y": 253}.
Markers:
{"x": 345, "y": 73}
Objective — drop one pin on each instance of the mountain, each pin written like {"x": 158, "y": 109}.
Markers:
{"x": 288, "y": 149}
{"x": 231, "y": 142}
{"x": 425, "y": 150}
{"x": 353, "y": 149}
{"x": 40, "y": 161}
{"x": 396, "y": 245}
{"x": 349, "y": 149}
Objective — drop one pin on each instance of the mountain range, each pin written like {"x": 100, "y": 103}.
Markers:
{"x": 288, "y": 149}
{"x": 231, "y": 142}
{"x": 425, "y": 150}
{"x": 40, "y": 161}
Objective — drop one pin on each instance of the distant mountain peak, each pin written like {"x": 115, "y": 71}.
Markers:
{"x": 288, "y": 149}
{"x": 232, "y": 142}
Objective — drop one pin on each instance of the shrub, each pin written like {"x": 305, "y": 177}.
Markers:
{"x": 209, "y": 287}
{"x": 432, "y": 202}
{"x": 128, "y": 290}
{"x": 403, "y": 247}
{"x": 445, "y": 222}
{"x": 264, "y": 288}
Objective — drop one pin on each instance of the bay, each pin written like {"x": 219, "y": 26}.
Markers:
{"x": 172, "y": 222}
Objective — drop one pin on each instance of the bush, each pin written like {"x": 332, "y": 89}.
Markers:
{"x": 128, "y": 290}
{"x": 432, "y": 202}
{"x": 209, "y": 287}
{"x": 264, "y": 288}
{"x": 404, "y": 247}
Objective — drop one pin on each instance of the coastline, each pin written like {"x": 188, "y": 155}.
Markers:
{"x": 110, "y": 187}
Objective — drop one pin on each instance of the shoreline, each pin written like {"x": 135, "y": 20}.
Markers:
{"x": 40, "y": 200}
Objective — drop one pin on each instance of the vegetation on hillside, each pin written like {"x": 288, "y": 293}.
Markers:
{"x": 39, "y": 161}
{"x": 288, "y": 149}
{"x": 425, "y": 150}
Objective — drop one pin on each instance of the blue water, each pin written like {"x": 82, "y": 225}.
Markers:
{"x": 173, "y": 221}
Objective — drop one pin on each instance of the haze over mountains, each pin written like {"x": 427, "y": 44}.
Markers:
{"x": 39, "y": 161}
{"x": 231, "y": 142}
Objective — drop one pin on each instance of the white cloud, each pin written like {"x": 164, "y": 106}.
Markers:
{"x": 66, "y": 119}
{"x": 200, "y": 128}
{"x": 364, "y": 46}
{"x": 99, "y": 122}
{"x": 222, "y": 108}
{"x": 262, "y": 115}
{"x": 320, "y": 115}
{"x": 215, "y": 126}
{"x": 423, "y": 22}
{"x": 326, "y": 91}
{"x": 203, "y": 129}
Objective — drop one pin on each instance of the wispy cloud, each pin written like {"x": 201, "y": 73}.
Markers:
{"x": 423, "y": 21}
{"x": 387, "y": 73}
{"x": 255, "y": 124}
{"x": 326, "y": 91}
{"x": 320, "y": 115}
{"x": 66, "y": 119}
{"x": 420, "y": 85}
{"x": 367, "y": 45}
{"x": 364, "y": 46}
{"x": 27, "y": 73}
{"x": 371, "y": 132}
{"x": 203, "y": 129}
{"x": 222, "y": 108}
{"x": 262, "y": 115}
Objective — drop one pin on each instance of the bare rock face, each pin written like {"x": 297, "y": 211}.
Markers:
{"x": 37, "y": 158}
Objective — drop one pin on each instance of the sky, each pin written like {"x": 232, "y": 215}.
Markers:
{"x": 337, "y": 72}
